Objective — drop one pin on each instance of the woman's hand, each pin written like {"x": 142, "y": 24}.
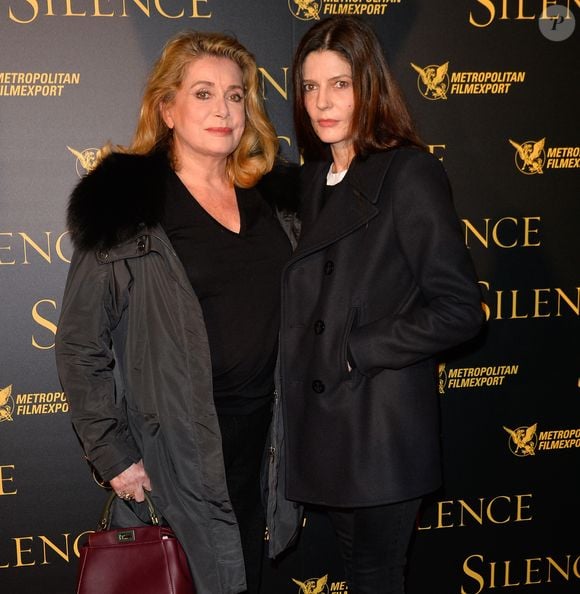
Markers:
{"x": 131, "y": 482}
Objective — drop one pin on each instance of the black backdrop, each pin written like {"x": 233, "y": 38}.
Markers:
{"x": 494, "y": 87}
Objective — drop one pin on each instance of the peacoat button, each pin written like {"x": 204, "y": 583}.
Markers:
{"x": 329, "y": 267}
{"x": 318, "y": 386}
{"x": 141, "y": 244}
{"x": 103, "y": 255}
{"x": 319, "y": 327}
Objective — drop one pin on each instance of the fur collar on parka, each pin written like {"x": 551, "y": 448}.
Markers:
{"x": 125, "y": 193}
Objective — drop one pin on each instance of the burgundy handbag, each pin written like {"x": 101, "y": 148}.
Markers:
{"x": 140, "y": 560}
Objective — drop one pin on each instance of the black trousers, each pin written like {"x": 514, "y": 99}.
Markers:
{"x": 243, "y": 443}
{"x": 373, "y": 543}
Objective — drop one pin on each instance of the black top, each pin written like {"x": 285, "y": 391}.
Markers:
{"x": 327, "y": 192}
{"x": 236, "y": 277}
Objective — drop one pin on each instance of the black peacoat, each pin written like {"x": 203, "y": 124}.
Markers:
{"x": 381, "y": 280}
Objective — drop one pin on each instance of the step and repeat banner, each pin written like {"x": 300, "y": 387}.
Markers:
{"x": 495, "y": 91}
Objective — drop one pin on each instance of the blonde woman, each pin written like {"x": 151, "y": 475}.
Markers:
{"x": 168, "y": 332}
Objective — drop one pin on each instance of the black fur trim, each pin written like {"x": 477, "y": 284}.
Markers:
{"x": 117, "y": 199}
{"x": 125, "y": 194}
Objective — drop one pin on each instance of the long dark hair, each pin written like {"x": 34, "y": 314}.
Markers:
{"x": 381, "y": 119}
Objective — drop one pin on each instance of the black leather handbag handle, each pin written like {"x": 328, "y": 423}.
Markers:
{"x": 105, "y": 521}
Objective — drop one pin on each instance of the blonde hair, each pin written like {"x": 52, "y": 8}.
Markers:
{"x": 255, "y": 154}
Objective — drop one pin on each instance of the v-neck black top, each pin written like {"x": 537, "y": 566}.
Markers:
{"x": 236, "y": 277}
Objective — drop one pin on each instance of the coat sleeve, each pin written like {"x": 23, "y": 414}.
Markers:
{"x": 92, "y": 308}
{"x": 444, "y": 308}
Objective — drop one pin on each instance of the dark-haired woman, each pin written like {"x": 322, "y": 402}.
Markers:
{"x": 379, "y": 284}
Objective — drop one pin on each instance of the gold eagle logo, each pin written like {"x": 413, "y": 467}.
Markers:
{"x": 442, "y": 377}
{"x": 87, "y": 160}
{"x": 305, "y": 10}
{"x": 530, "y": 156}
{"x": 6, "y": 404}
{"x": 433, "y": 80}
{"x": 313, "y": 585}
{"x": 523, "y": 440}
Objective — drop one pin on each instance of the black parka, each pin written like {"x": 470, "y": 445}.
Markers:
{"x": 133, "y": 357}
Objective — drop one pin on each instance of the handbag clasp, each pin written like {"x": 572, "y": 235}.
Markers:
{"x": 126, "y": 536}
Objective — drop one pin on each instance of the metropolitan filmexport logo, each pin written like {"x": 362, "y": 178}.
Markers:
{"x": 528, "y": 441}
{"x": 313, "y": 585}
{"x": 433, "y": 80}
{"x": 305, "y": 10}
{"x": 314, "y": 10}
{"x": 6, "y": 404}
{"x": 36, "y": 84}
{"x": 87, "y": 159}
{"x": 30, "y": 404}
{"x": 534, "y": 157}
{"x": 523, "y": 440}
{"x": 486, "y": 376}
{"x": 530, "y": 156}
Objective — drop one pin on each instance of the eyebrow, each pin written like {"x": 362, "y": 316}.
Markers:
{"x": 208, "y": 83}
{"x": 331, "y": 78}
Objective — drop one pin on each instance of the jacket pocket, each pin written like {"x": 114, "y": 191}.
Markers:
{"x": 351, "y": 322}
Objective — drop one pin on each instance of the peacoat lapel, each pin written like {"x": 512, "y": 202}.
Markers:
{"x": 353, "y": 202}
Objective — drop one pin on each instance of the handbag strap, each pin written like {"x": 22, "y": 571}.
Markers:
{"x": 105, "y": 521}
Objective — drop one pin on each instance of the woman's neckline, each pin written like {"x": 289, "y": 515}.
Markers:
{"x": 334, "y": 178}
